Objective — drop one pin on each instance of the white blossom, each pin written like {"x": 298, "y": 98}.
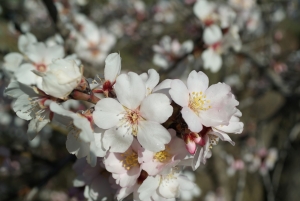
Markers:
{"x": 62, "y": 77}
{"x": 30, "y": 105}
{"x": 203, "y": 105}
{"x": 133, "y": 115}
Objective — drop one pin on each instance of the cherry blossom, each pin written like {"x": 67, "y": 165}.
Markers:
{"x": 111, "y": 71}
{"x": 210, "y": 136}
{"x": 12, "y": 61}
{"x": 62, "y": 77}
{"x": 203, "y": 105}
{"x": 31, "y": 104}
{"x": 125, "y": 167}
{"x": 84, "y": 138}
{"x": 93, "y": 43}
{"x": 204, "y": 10}
{"x": 168, "y": 51}
{"x": 262, "y": 160}
{"x": 25, "y": 40}
{"x": 167, "y": 186}
{"x": 164, "y": 12}
{"x": 154, "y": 163}
{"x": 39, "y": 56}
{"x": 218, "y": 44}
{"x": 133, "y": 115}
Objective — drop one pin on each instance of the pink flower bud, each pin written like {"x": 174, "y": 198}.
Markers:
{"x": 190, "y": 142}
{"x": 202, "y": 141}
{"x": 191, "y": 147}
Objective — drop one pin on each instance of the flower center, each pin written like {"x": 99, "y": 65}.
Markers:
{"x": 94, "y": 49}
{"x": 130, "y": 159}
{"x": 41, "y": 67}
{"x": 198, "y": 102}
{"x": 209, "y": 20}
{"x": 132, "y": 118}
{"x": 162, "y": 156}
{"x": 171, "y": 177}
{"x": 217, "y": 47}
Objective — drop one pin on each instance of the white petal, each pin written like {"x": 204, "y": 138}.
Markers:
{"x": 35, "y": 126}
{"x": 164, "y": 88}
{"x": 16, "y": 89}
{"x": 54, "y": 52}
{"x": 144, "y": 77}
{"x": 130, "y": 177}
{"x": 192, "y": 120}
{"x": 224, "y": 137}
{"x": 187, "y": 46}
{"x": 106, "y": 113}
{"x": 203, "y": 8}
{"x": 233, "y": 127}
{"x": 212, "y": 60}
{"x": 179, "y": 93}
{"x": 86, "y": 132}
{"x": 197, "y": 82}
{"x": 25, "y": 74}
{"x": 216, "y": 93}
{"x": 148, "y": 187}
{"x": 153, "y": 136}
{"x": 152, "y": 80}
{"x": 62, "y": 76}
{"x": 156, "y": 107}
{"x": 76, "y": 146}
{"x": 185, "y": 183}
{"x": 212, "y": 34}
{"x": 12, "y": 61}
{"x": 166, "y": 84}
{"x": 161, "y": 61}
{"x": 99, "y": 149}
{"x": 112, "y": 67}
{"x": 118, "y": 140}
{"x": 36, "y": 52}
{"x": 223, "y": 105}
{"x": 22, "y": 107}
{"x": 197, "y": 158}
{"x": 25, "y": 40}
{"x": 168, "y": 188}
{"x": 92, "y": 155}
{"x": 130, "y": 90}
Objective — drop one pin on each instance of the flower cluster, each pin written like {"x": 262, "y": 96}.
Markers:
{"x": 262, "y": 160}
{"x": 82, "y": 35}
{"x": 143, "y": 135}
{"x": 140, "y": 133}
{"x": 220, "y": 31}
{"x": 169, "y": 51}
{"x": 92, "y": 43}
{"x": 248, "y": 14}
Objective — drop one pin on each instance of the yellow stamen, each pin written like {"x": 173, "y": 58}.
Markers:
{"x": 162, "y": 156}
{"x": 198, "y": 102}
{"x": 130, "y": 159}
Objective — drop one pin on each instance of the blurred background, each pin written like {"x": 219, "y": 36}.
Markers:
{"x": 264, "y": 75}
